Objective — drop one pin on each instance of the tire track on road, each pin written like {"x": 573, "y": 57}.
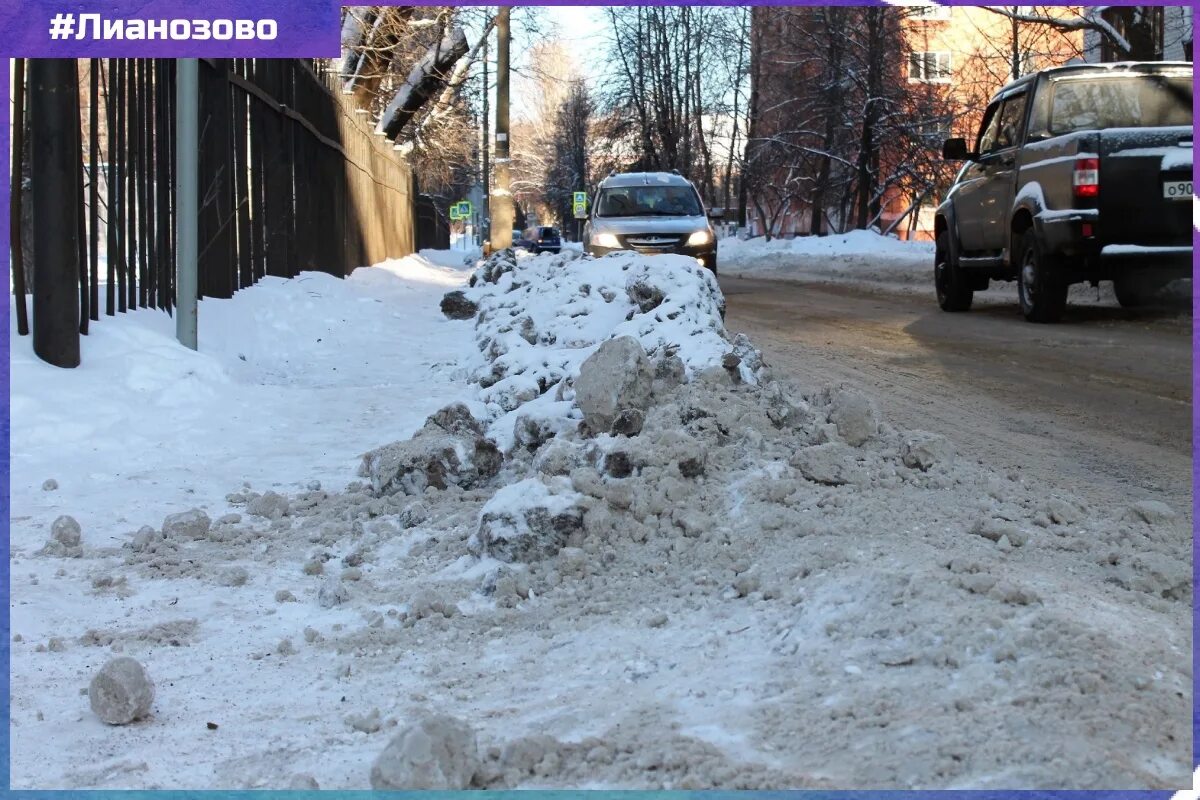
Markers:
{"x": 1094, "y": 406}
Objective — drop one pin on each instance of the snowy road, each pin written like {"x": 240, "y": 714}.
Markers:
{"x": 1101, "y": 403}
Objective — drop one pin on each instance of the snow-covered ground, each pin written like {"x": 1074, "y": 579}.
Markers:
{"x": 622, "y": 553}
{"x": 857, "y": 257}
{"x": 853, "y": 243}
{"x": 293, "y": 379}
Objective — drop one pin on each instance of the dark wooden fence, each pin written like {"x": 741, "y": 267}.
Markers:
{"x": 291, "y": 179}
{"x": 432, "y": 222}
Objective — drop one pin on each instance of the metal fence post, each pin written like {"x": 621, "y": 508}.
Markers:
{"x": 57, "y": 209}
{"x": 187, "y": 153}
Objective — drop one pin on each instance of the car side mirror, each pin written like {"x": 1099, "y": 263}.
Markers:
{"x": 716, "y": 213}
{"x": 956, "y": 150}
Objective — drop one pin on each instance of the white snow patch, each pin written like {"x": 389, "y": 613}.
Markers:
{"x": 852, "y": 243}
{"x": 293, "y": 380}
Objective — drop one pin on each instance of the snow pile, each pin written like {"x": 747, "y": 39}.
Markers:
{"x": 857, "y": 257}
{"x": 731, "y": 564}
{"x": 851, "y": 243}
{"x": 539, "y": 317}
{"x": 449, "y": 449}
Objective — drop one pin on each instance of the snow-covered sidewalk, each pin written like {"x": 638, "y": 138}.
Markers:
{"x": 618, "y": 554}
{"x": 292, "y": 381}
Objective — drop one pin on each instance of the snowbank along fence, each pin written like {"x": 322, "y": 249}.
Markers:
{"x": 291, "y": 179}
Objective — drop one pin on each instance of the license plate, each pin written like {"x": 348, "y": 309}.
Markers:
{"x": 1177, "y": 190}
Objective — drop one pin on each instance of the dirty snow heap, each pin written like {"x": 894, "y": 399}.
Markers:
{"x": 630, "y": 558}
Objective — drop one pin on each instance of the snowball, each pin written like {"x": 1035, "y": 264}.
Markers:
{"x": 66, "y": 531}
{"x": 922, "y": 450}
{"x": 121, "y": 692}
{"x": 854, "y": 415}
{"x": 438, "y": 752}
{"x": 270, "y": 505}
{"x": 193, "y": 524}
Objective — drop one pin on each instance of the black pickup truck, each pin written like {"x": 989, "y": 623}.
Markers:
{"x": 1078, "y": 174}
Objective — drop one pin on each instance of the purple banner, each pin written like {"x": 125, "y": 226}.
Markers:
{"x": 217, "y": 28}
{"x": 176, "y": 29}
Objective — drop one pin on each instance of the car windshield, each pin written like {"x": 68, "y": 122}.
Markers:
{"x": 549, "y": 233}
{"x": 648, "y": 201}
{"x": 1144, "y": 101}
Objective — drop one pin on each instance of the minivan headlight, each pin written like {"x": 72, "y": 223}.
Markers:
{"x": 605, "y": 240}
{"x": 699, "y": 238}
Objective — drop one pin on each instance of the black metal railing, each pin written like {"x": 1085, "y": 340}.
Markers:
{"x": 291, "y": 179}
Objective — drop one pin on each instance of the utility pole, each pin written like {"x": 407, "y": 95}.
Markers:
{"x": 501, "y": 203}
{"x": 187, "y": 196}
{"x": 57, "y": 203}
{"x": 487, "y": 184}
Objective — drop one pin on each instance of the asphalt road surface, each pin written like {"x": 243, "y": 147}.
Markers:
{"x": 1100, "y": 404}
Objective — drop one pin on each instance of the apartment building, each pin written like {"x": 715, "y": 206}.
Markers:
{"x": 949, "y": 60}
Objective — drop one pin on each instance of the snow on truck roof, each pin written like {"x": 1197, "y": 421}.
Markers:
{"x": 1071, "y": 70}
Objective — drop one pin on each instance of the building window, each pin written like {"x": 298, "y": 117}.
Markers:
{"x": 929, "y": 67}
{"x": 1141, "y": 26}
{"x": 929, "y": 12}
{"x": 934, "y": 131}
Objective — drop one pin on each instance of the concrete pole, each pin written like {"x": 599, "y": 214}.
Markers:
{"x": 187, "y": 217}
{"x": 485, "y": 232}
{"x": 501, "y": 197}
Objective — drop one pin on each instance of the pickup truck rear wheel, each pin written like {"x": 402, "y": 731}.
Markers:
{"x": 954, "y": 293}
{"x": 1042, "y": 291}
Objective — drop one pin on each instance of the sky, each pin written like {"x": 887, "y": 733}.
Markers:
{"x": 581, "y": 30}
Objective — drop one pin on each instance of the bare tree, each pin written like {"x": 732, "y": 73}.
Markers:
{"x": 1132, "y": 34}
{"x": 570, "y": 138}
{"x": 674, "y": 68}
{"x": 835, "y": 132}
{"x": 410, "y": 68}
{"x": 545, "y": 85}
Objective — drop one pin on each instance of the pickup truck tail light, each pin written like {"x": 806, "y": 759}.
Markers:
{"x": 1086, "y": 178}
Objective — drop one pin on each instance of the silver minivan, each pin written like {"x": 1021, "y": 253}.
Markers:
{"x": 650, "y": 213}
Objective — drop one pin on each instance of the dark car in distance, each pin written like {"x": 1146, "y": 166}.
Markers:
{"x": 1078, "y": 174}
{"x": 539, "y": 239}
